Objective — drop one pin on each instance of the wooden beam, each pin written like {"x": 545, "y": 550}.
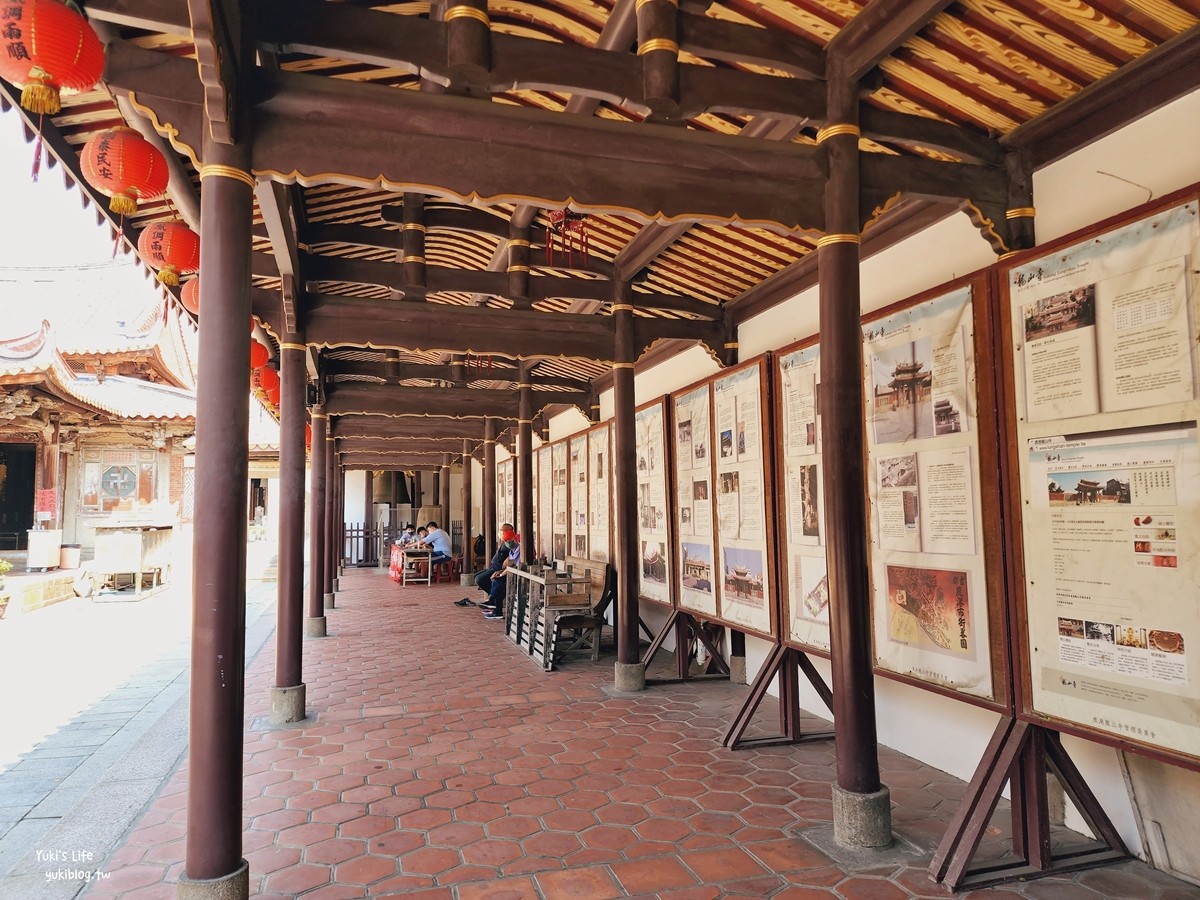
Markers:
{"x": 163, "y": 16}
{"x": 368, "y": 426}
{"x": 217, "y": 34}
{"x": 275, "y": 202}
{"x": 878, "y": 29}
{"x": 432, "y": 444}
{"x": 404, "y": 371}
{"x": 1151, "y": 81}
{"x": 390, "y": 462}
{"x": 384, "y": 400}
{"x": 731, "y": 42}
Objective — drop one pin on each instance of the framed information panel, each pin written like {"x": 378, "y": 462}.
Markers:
{"x": 599, "y": 493}
{"x": 696, "y": 578}
{"x": 578, "y": 525}
{"x": 937, "y": 597}
{"x": 653, "y": 501}
{"x": 505, "y": 510}
{"x": 1100, "y": 334}
{"x": 544, "y": 501}
{"x": 741, "y": 441}
{"x": 560, "y": 495}
{"x": 804, "y": 580}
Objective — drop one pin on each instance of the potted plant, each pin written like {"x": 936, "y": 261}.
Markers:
{"x": 5, "y": 568}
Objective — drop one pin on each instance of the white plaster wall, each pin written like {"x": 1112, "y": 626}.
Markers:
{"x": 356, "y": 492}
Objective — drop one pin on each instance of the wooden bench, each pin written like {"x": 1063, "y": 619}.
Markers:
{"x": 587, "y": 627}
{"x": 536, "y": 598}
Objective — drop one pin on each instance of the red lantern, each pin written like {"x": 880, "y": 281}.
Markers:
{"x": 190, "y": 296}
{"x": 268, "y": 378}
{"x": 307, "y": 436}
{"x": 48, "y": 48}
{"x": 123, "y": 165}
{"x": 259, "y": 355}
{"x": 172, "y": 248}
{"x": 273, "y": 396}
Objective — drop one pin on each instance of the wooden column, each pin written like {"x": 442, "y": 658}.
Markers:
{"x": 293, "y": 381}
{"x": 489, "y": 487}
{"x": 468, "y": 554}
{"x": 330, "y": 501}
{"x": 1021, "y": 211}
{"x": 468, "y": 44}
{"x": 369, "y": 497}
{"x": 315, "y": 626}
{"x": 659, "y": 50}
{"x": 844, "y": 471}
{"x": 525, "y": 464}
{"x": 418, "y": 495}
{"x": 518, "y": 267}
{"x": 412, "y": 238}
{"x": 630, "y": 674}
{"x": 444, "y": 494}
{"x": 339, "y": 535}
{"x": 214, "y": 802}
{"x": 333, "y": 537}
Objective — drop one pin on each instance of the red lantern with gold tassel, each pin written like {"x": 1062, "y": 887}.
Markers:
{"x": 124, "y": 166}
{"x": 190, "y": 296}
{"x": 171, "y": 248}
{"x": 49, "y": 47}
{"x": 273, "y": 395}
{"x": 259, "y": 355}
{"x": 269, "y": 380}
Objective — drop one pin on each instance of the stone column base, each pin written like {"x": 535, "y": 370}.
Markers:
{"x": 330, "y": 601}
{"x": 336, "y": 587}
{"x": 467, "y": 580}
{"x": 629, "y": 678}
{"x": 737, "y": 670}
{"x": 234, "y": 886}
{"x": 341, "y": 568}
{"x": 862, "y": 821}
{"x": 314, "y": 626}
{"x": 287, "y": 704}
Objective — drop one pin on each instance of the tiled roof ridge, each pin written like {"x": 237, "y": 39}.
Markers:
{"x": 27, "y": 345}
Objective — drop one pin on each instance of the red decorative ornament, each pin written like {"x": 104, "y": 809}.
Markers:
{"x": 171, "y": 248}
{"x": 273, "y": 396}
{"x": 259, "y": 355}
{"x": 569, "y": 230}
{"x": 307, "y": 436}
{"x": 190, "y": 296}
{"x": 49, "y": 47}
{"x": 124, "y": 166}
{"x": 270, "y": 380}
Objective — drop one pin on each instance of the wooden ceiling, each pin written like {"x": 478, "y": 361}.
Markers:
{"x": 950, "y": 91}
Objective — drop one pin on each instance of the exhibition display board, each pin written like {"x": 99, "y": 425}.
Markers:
{"x": 578, "y": 525}
{"x": 559, "y": 497}
{"x": 1101, "y": 353}
{"x": 653, "y": 500}
{"x": 599, "y": 493}
{"x": 543, "y": 502}
{"x": 505, "y": 492}
{"x": 802, "y": 570}
{"x": 722, "y": 445}
{"x": 936, "y": 558}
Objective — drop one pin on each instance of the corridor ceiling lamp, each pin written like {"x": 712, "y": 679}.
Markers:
{"x": 125, "y": 167}
{"x": 172, "y": 249}
{"x": 190, "y": 296}
{"x": 49, "y": 47}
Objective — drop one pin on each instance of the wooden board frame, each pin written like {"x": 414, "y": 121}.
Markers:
{"x": 668, "y": 498}
{"x": 765, "y": 362}
{"x": 1018, "y": 611}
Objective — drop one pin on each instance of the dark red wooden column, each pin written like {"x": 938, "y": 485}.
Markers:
{"x": 444, "y": 493}
{"x": 489, "y": 487}
{"x": 214, "y": 802}
{"x": 862, "y": 816}
{"x": 337, "y": 538}
{"x": 288, "y": 694}
{"x": 629, "y": 673}
{"x": 525, "y": 464}
{"x": 468, "y": 554}
{"x": 315, "y": 624}
{"x": 418, "y": 496}
{"x": 330, "y": 500}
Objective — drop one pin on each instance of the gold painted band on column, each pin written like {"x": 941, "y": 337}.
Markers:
{"x": 413, "y": 226}
{"x": 318, "y": 415}
{"x": 467, "y": 12}
{"x": 414, "y": 259}
{"x": 524, "y": 421}
{"x": 831, "y": 131}
{"x": 731, "y": 345}
{"x": 622, "y": 307}
{"x": 1023, "y": 212}
{"x": 518, "y": 268}
{"x": 622, "y": 365}
{"x": 219, "y": 171}
{"x": 288, "y": 346}
{"x": 655, "y": 44}
{"x": 640, "y": 3}
{"x": 1004, "y": 256}
{"x": 828, "y": 239}
{"x": 518, "y": 242}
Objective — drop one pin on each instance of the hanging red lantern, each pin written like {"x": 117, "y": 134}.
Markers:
{"x": 269, "y": 379}
{"x": 273, "y": 395}
{"x": 123, "y": 165}
{"x": 190, "y": 296}
{"x": 48, "y": 47}
{"x": 259, "y": 355}
{"x": 171, "y": 248}
{"x": 307, "y": 436}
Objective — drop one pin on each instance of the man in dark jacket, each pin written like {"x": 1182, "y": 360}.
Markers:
{"x": 491, "y": 579}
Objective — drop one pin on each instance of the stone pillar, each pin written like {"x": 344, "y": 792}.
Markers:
{"x": 315, "y": 625}
{"x": 525, "y": 464}
{"x": 861, "y": 807}
{"x": 327, "y": 569}
{"x": 288, "y": 694}
{"x": 468, "y": 551}
{"x": 629, "y": 674}
{"x": 213, "y": 865}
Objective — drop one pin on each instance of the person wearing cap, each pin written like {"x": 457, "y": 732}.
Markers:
{"x": 491, "y": 579}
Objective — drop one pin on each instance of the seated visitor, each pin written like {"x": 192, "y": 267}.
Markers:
{"x": 510, "y": 546}
{"x": 483, "y": 578}
{"x": 439, "y": 542}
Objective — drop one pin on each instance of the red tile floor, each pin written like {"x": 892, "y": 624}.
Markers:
{"x": 443, "y": 764}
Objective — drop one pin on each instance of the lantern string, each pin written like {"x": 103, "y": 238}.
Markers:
{"x": 37, "y": 152}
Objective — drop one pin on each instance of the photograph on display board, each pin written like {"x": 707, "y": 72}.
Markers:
{"x": 1105, "y": 402}
{"x": 654, "y": 563}
{"x": 932, "y": 614}
{"x": 745, "y": 576}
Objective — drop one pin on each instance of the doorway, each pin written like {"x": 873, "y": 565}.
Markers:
{"x": 18, "y": 472}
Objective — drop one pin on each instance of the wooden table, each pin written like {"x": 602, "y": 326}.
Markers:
{"x": 410, "y": 574}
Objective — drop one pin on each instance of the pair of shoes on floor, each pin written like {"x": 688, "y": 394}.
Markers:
{"x": 493, "y": 614}
{"x": 465, "y": 601}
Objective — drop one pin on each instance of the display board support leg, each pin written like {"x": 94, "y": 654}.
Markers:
{"x": 1022, "y": 753}
{"x": 787, "y": 663}
{"x": 659, "y": 639}
{"x": 687, "y": 631}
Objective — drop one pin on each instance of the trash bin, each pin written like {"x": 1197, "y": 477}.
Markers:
{"x": 68, "y": 557}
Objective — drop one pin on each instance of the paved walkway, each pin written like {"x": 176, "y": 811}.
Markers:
{"x": 95, "y": 713}
{"x": 440, "y": 763}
